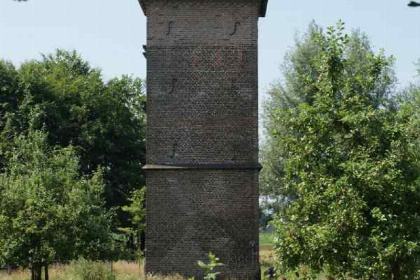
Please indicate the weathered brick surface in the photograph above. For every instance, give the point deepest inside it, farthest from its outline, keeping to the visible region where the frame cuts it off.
(202, 112)
(191, 213)
(202, 104)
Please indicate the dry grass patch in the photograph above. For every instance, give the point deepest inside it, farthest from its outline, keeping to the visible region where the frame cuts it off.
(129, 268)
(122, 270)
(16, 275)
(165, 277)
(267, 257)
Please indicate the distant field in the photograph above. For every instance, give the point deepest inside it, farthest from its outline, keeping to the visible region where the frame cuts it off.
(266, 250)
(267, 257)
(266, 241)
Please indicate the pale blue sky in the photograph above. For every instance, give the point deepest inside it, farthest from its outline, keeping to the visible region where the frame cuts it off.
(110, 33)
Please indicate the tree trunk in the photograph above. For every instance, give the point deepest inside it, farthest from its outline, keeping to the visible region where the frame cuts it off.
(36, 271)
(395, 267)
(47, 276)
(142, 241)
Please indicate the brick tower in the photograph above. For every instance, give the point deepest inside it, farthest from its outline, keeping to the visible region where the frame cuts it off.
(202, 135)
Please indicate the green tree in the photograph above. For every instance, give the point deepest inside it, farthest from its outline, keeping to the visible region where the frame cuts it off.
(137, 211)
(48, 212)
(352, 164)
(103, 121)
(300, 73)
(10, 90)
(412, 93)
(11, 94)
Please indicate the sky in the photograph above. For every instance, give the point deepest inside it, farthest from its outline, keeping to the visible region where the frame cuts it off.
(110, 33)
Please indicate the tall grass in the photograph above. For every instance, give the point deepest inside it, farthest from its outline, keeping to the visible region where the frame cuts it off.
(85, 270)
(267, 240)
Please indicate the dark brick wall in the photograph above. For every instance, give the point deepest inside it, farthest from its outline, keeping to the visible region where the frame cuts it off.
(202, 104)
(202, 111)
(191, 213)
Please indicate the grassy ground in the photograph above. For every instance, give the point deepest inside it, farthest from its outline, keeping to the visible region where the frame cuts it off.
(126, 270)
(122, 271)
(266, 250)
(267, 257)
(267, 240)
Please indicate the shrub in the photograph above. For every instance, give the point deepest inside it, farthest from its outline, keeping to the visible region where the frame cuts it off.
(86, 270)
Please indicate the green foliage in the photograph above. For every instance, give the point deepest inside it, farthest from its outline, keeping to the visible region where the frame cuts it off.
(11, 94)
(300, 74)
(86, 270)
(351, 171)
(48, 212)
(269, 206)
(137, 211)
(209, 267)
(10, 90)
(104, 121)
(411, 94)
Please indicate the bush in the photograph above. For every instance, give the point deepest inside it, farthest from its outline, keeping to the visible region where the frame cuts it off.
(86, 270)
